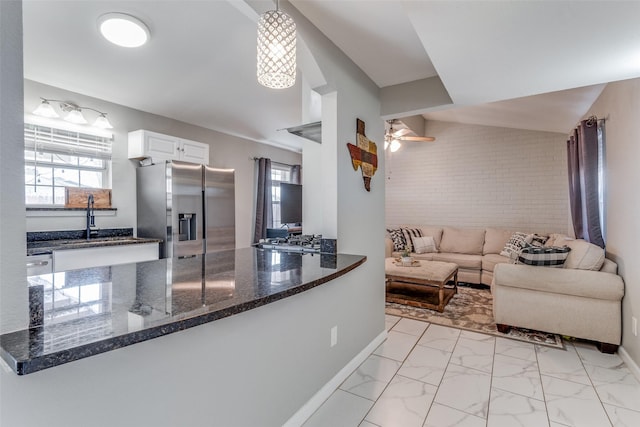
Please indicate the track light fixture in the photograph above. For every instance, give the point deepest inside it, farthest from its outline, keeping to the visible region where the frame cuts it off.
(73, 113)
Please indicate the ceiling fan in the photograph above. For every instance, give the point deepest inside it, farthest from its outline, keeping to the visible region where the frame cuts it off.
(397, 131)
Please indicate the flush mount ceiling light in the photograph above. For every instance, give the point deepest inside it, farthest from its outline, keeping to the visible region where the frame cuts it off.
(123, 30)
(74, 113)
(276, 50)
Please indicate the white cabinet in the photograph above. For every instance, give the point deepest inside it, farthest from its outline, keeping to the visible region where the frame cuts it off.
(159, 147)
(71, 259)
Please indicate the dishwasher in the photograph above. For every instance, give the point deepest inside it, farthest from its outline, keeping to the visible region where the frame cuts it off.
(39, 264)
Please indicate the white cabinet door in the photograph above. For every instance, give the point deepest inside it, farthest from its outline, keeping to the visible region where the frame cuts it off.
(143, 144)
(161, 147)
(72, 259)
(194, 152)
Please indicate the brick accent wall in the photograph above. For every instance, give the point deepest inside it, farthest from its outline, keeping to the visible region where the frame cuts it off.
(480, 176)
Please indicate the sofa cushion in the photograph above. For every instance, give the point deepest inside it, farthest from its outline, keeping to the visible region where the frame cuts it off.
(515, 244)
(473, 262)
(584, 255)
(494, 240)
(398, 239)
(462, 241)
(543, 256)
(489, 261)
(409, 234)
(423, 245)
(426, 256)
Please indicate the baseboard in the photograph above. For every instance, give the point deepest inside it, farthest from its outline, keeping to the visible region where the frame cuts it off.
(305, 412)
(631, 364)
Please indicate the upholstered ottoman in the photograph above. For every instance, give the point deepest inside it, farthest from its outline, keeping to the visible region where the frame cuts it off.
(422, 284)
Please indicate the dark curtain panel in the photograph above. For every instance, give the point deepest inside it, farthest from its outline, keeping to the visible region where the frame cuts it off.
(582, 153)
(296, 177)
(264, 213)
(575, 195)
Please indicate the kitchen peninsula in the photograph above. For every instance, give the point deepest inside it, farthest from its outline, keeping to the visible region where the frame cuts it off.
(121, 305)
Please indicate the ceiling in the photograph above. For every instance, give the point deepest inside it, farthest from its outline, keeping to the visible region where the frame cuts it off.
(525, 64)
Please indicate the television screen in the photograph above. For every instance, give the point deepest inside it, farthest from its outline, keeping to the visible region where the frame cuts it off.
(290, 203)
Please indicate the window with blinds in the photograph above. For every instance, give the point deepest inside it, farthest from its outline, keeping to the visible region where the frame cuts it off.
(58, 158)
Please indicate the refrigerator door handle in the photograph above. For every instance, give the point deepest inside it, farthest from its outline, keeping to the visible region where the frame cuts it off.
(204, 217)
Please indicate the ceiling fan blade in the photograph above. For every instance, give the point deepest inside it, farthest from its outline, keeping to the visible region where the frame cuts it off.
(418, 138)
(401, 132)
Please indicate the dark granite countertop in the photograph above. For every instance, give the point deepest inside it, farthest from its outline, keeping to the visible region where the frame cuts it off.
(85, 312)
(45, 242)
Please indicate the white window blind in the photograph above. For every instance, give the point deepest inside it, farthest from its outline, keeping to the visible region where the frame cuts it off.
(59, 141)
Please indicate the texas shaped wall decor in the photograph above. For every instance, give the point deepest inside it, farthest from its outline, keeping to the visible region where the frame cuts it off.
(364, 155)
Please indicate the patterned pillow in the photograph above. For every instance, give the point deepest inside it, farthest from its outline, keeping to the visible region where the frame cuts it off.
(537, 240)
(515, 244)
(409, 234)
(424, 245)
(552, 256)
(397, 236)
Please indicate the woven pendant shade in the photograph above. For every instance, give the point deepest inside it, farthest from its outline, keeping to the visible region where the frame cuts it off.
(276, 50)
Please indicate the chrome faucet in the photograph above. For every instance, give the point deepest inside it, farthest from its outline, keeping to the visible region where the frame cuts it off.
(91, 219)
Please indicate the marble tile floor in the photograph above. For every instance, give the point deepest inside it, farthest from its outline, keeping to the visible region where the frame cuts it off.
(427, 375)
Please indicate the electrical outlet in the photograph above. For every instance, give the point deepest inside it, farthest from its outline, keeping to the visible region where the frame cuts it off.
(634, 326)
(334, 336)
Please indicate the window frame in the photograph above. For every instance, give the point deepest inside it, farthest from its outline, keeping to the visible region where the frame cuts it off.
(275, 192)
(56, 141)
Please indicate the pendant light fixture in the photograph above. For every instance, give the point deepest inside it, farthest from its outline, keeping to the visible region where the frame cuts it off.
(276, 50)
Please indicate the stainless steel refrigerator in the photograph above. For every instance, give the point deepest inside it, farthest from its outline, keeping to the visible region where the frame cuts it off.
(190, 207)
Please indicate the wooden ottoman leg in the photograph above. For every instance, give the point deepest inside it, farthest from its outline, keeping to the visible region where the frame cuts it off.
(503, 329)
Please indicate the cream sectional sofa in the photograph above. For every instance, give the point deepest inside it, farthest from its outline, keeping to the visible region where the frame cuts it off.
(476, 251)
(582, 300)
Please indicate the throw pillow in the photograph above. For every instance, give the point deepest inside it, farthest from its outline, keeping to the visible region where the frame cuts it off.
(515, 244)
(537, 240)
(543, 256)
(397, 237)
(584, 255)
(424, 245)
(557, 239)
(409, 235)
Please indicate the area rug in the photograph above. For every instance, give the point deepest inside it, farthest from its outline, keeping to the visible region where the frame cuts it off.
(471, 309)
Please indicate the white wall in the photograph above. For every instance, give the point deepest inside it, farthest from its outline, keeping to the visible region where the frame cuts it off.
(12, 225)
(479, 176)
(619, 104)
(225, 151)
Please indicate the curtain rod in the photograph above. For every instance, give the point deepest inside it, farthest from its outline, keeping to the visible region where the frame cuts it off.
(592, 120)
(272, 161)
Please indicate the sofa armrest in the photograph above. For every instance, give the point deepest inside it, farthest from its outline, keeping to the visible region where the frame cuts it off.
(388, 247)
(584, 283)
